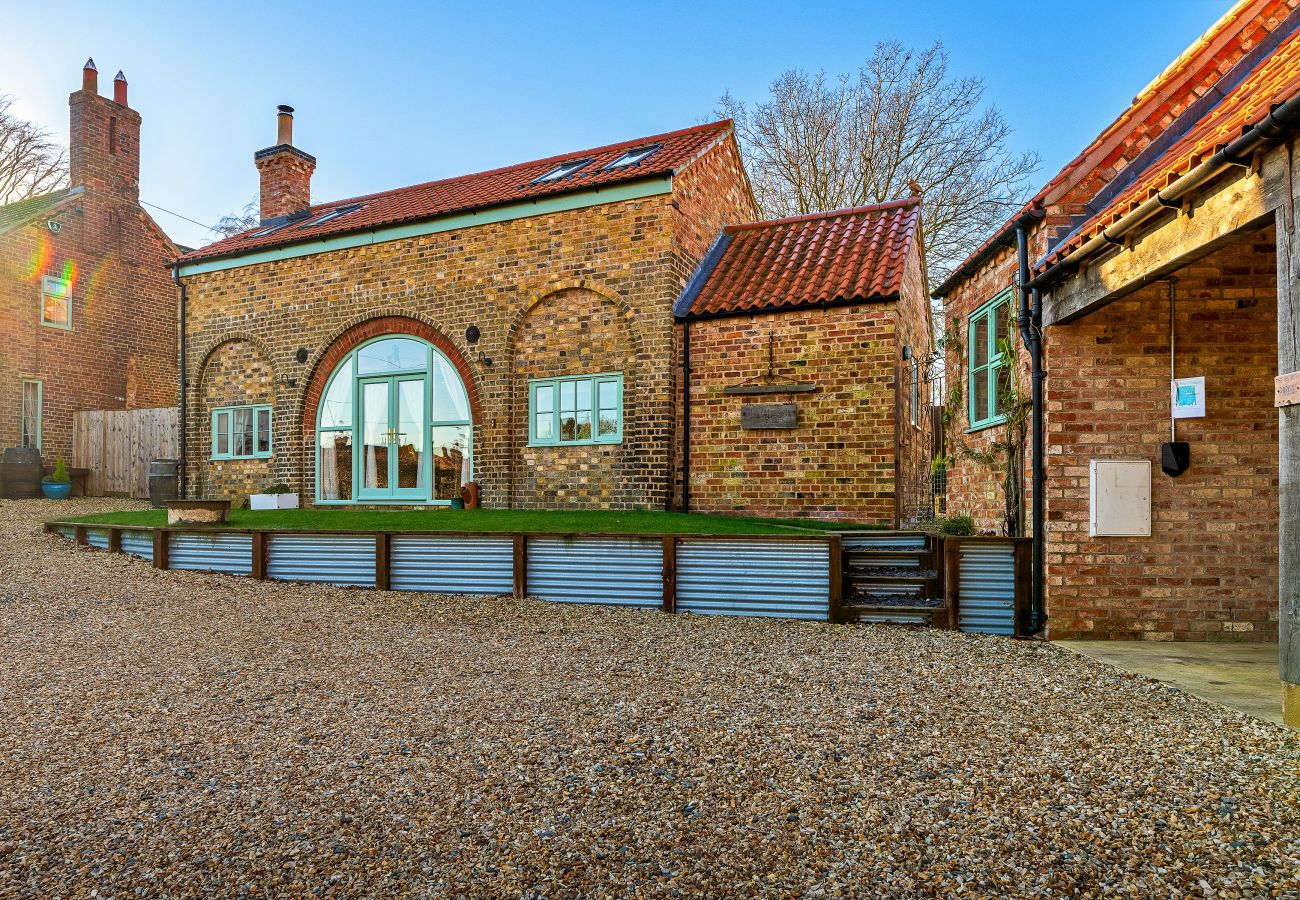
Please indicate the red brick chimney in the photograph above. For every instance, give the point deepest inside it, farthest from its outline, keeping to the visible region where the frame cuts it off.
(104, 138)
(285, 172)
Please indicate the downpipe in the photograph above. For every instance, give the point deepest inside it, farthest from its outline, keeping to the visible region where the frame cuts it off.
(1030, 321)
(182, 403)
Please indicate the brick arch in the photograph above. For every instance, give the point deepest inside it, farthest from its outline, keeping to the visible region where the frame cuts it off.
(381, 326)
(235, 338)
(555, 288)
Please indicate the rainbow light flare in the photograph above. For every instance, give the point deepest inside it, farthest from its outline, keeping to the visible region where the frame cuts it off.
(42, 253)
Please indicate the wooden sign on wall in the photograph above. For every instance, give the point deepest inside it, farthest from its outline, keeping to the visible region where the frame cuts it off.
(769, 415)
(1286, 390)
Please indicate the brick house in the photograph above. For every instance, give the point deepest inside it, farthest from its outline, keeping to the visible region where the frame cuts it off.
(87, 305)
(513, 327)
(1161, 255)
(805, 341)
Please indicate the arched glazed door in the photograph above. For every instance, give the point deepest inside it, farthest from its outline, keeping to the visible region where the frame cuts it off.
(394, 426)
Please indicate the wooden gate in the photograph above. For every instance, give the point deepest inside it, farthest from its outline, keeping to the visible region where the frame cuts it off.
(117, 445)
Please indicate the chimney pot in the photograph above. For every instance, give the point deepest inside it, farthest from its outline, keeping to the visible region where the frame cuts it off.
(90, 76)
(284, 125)
(119, 88)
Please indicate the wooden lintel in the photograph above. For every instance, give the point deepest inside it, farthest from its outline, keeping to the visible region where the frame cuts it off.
(752, 389)
(1286, 390)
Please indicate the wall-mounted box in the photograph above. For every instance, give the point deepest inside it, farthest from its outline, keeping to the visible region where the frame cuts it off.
(1119, 495)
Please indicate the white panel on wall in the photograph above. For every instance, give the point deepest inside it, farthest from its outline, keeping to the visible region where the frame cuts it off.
(1119, 498)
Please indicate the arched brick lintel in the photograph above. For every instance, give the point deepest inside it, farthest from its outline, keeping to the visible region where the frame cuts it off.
(382, 326)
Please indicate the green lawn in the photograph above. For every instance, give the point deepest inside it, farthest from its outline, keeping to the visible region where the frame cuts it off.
(552, 521)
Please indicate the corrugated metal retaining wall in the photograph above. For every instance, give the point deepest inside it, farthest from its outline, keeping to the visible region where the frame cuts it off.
(789, 579)
(211, 551)
(325, 558)
(986, 575)
(614, 571)
(451, 564)
(138, 543)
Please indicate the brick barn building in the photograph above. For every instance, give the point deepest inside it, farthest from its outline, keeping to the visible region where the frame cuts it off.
(87, 305)
(513, 327)
(1160, 273)
(805, 342)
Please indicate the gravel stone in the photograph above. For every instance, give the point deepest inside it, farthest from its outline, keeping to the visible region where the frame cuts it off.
(185, 734)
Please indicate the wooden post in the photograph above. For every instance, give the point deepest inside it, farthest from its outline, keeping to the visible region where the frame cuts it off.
(670, 574)
(79, 535)
(1288, 362)
(1024, 586)
(114, 540)
(521, 566)
(835, 560)
(258, 570)
(383, 549)
(160, 548)
(950, 548)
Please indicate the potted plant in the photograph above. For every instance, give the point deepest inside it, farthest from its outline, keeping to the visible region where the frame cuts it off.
(58, 484)
(274, 496)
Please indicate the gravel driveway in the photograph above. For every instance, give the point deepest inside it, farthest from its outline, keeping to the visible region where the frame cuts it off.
(181, 734)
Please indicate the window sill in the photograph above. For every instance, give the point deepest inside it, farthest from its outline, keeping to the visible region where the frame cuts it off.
(258, 456)
(56, 326)
(578, 444)
(983, 426)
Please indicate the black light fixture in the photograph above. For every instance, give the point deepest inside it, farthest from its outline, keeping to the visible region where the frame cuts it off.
(301, 355)
(907, 351)
(1175, 455)
(472, 334)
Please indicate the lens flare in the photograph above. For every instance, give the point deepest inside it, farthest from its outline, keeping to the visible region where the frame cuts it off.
(38, 263)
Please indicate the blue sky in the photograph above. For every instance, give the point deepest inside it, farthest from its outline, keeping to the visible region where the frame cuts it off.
(390, 94)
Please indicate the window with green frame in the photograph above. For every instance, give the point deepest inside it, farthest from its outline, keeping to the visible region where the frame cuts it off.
(988, 352)
(241, 432)
(583, 410)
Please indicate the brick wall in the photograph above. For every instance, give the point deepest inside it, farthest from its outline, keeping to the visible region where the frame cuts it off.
(615, 266)
(839, 463)
(235, 374)
(121, 350)
(1209, 569)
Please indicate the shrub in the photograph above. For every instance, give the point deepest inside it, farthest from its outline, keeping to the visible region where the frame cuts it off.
(958, 524)
(280, 488)
(60, 475)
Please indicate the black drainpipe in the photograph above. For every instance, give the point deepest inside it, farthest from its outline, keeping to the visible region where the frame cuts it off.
(686, 415)
(182, 444)
(1030, 319)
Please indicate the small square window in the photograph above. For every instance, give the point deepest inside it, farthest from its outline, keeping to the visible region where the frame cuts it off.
(562, 171)
(586, 409)
(241, 432)
(56, 302)
(633, 157)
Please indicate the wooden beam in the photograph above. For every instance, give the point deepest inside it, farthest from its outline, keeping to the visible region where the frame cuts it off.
(1288, 361)
(521, 566)
(258, 570)
(160, 548)
(114, 540)
(835, 600)
(670, 574)
(383, 557)
(79, 535)
(950, 547)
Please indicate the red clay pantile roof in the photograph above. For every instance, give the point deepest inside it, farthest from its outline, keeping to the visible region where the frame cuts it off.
(1275, 80)
(850, 254)
(469, 192)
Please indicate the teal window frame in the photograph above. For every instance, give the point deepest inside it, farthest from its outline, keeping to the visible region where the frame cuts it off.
(60, 289)
(229, 413)
(996, 361)
(555, 440)
(40, 412)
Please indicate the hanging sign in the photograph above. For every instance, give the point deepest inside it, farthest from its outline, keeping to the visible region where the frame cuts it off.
(1286, 390)
(1188, 397)
(769, 415)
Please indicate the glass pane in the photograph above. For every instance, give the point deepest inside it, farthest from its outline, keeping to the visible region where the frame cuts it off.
(392, 355)
(335, 465)
(979, 342)
(608, 394)
(222, 435)
(568, 427)
(544, 430)
(980, 396)
(607, 401)
(568, 396)
(375, 434)
(410, 433)
(55, 309)
(583, 426)
(263, 431)
(31, 414)
(450, 402)
(544, 398)
(1003, 375)
(1001, 325)
(451, 456)
(241, 432)
(584, 395)
(336, 411)
(607, 423)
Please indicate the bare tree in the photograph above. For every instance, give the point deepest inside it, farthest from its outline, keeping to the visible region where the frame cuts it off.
(242, 220)
(30, 162)
(821, 143)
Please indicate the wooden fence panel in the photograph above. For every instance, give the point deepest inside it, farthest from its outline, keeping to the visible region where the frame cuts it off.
(117, 446)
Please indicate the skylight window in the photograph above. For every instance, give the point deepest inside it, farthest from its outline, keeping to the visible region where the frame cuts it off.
(632, 157)
(272, 230)
(563, 170)
(331, 215)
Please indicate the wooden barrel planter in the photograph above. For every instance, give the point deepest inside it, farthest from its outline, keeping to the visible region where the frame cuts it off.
(20, 473)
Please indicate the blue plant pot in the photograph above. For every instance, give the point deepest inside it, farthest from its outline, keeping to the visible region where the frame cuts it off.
(55, 490)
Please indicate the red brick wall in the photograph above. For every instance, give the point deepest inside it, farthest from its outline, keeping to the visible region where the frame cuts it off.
(285, 181)
(121, 351)
(1209, 569)
(839, 463)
